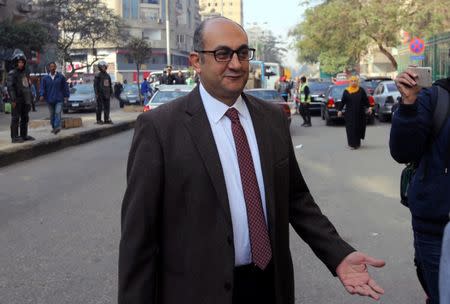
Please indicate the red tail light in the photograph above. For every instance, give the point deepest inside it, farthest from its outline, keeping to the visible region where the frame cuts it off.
(371, 101)
(287, 110)
(330, 103)
(147, 108)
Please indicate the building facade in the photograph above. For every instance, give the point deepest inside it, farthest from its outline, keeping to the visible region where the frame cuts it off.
(147, 19)
(232, 9)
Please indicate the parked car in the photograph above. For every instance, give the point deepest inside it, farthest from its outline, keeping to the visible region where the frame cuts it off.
(370, 83)
(271, 96)
(82, 97)
(331, 102)
(386, 95)
(317, 91)
(167, 93)
(130, 94)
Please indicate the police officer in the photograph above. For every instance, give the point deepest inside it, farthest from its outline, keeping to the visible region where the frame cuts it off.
(305, 100)
(19, 89)
(103, 92)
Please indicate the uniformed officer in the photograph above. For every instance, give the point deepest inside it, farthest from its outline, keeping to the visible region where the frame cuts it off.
(19, 89)
(103, 93)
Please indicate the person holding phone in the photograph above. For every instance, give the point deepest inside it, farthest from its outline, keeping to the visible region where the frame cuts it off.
(412, 140)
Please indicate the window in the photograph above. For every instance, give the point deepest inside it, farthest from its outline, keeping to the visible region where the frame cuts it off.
(180, 38)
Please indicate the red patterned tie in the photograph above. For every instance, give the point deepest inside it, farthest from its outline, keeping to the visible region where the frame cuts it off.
(259, 237)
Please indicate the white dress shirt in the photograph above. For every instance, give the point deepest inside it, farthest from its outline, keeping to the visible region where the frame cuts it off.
(223, 136)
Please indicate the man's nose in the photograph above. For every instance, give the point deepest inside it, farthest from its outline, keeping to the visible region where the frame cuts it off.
(234, 62)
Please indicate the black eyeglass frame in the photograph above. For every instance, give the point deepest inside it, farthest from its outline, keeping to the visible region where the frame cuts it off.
(230, 57)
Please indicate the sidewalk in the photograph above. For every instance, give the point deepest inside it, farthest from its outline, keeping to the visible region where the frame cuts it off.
(46, 142)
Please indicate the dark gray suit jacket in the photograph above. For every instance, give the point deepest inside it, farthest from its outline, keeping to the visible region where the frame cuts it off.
(177, 235)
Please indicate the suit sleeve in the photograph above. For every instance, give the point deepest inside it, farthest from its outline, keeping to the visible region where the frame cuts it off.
(139, 244)
(308, 221)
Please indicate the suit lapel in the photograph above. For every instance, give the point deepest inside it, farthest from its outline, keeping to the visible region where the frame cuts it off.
(196, 121)
(262, 132)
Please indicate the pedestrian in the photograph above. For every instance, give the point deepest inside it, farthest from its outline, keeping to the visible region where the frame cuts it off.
(118, 89)
(179, 79)
(103, 93)
(206, 218)
(284, 88)
(444, 268)
(305, 101)
(146, 90)
(356, 105)
(413, 139)
(19, 89)
(55, 91)
(190, 80)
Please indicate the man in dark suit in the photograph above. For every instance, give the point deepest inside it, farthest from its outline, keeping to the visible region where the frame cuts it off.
(212, 185)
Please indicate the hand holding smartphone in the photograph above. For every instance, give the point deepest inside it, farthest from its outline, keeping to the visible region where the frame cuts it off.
(424, 79)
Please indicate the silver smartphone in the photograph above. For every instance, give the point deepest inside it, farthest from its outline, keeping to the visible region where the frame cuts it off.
(424, 78)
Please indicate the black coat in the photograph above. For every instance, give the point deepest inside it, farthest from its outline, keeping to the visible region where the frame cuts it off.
(177, 234)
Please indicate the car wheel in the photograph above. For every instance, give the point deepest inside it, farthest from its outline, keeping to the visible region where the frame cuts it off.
(322, 114)
(382, 117)
(65, 111)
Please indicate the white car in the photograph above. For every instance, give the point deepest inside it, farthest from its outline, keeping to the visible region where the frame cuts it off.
(167, 93)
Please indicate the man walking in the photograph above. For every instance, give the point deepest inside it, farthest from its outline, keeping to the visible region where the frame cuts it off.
(54, 90)
(103, 92)
(19, 89)
(212, 189)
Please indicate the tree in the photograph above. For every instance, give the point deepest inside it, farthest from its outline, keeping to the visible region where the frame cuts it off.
(270, 49)
(27, 36)
(139, 50)
(337, 32)
(81, 24)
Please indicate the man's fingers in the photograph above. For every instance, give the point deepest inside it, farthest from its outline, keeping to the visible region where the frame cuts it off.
(375, 286)
(374, 262)
(371, 293)
(361, 291)
(350, 289)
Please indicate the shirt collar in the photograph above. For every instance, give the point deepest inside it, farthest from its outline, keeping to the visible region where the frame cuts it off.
(217, 109)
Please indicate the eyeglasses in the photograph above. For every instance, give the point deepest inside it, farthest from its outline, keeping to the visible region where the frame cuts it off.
(226, 54)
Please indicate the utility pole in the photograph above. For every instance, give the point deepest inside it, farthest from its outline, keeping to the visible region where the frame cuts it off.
(168, 34)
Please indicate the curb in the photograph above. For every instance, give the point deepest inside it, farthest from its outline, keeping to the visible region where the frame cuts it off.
(42, 147)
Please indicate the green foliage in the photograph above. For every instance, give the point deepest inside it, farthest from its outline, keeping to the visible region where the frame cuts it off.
(27, 36)
(139, 50)
(337, 32)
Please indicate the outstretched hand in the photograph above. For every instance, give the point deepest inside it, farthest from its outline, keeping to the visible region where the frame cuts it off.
(352, 272)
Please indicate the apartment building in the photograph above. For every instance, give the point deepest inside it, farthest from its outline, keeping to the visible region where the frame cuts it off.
(147, 19)
(232, 9)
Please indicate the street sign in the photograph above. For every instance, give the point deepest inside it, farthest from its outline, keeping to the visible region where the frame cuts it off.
(417, 45)
(419, 57)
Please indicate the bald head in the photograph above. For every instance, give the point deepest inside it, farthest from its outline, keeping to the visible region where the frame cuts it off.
(211, 24)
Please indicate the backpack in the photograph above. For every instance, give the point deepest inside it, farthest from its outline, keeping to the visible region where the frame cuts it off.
(440, 114)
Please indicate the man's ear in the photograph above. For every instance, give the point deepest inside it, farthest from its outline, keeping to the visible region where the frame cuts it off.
(194, 58)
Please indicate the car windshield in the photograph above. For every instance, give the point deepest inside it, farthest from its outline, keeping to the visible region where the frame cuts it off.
(166, 96)
(318, 87)
(131, 89)
(391, 87)
(82, 89)
(265, 94)
(337, 92)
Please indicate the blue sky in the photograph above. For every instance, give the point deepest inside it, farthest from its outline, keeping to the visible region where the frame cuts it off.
(281, 16)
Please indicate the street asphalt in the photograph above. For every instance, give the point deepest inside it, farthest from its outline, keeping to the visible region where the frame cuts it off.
(60, 219)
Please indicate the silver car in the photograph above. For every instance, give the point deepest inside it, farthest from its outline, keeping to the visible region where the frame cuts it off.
(386, 96)
(82, 97)
(130, 95)
(167, 93)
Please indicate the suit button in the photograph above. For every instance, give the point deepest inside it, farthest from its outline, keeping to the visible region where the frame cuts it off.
(227, 286)
(229, 240)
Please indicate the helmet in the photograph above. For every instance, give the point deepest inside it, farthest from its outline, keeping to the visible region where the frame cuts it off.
(102, 64)
(18, 55)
